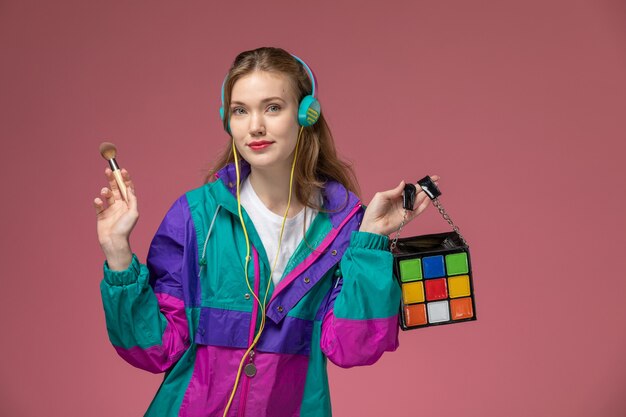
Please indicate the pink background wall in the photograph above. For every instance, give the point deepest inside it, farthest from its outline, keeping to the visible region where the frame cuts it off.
(518, 106)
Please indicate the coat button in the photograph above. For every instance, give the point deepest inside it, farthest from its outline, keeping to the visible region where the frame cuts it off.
(307, 280)
(246, 296)
(280, 309)
(230, 184)
(334, 252)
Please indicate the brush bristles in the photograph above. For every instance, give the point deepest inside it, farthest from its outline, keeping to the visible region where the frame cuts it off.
(108, 150)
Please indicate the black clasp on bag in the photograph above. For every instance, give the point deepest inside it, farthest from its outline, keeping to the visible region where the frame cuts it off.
(410, 192)
(408, 196)
(429, 187)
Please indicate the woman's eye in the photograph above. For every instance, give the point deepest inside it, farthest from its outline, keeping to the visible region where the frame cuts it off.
(238, 110)
(273, 107)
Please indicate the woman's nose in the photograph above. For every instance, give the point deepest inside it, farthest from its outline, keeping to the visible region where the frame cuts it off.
(257, 126)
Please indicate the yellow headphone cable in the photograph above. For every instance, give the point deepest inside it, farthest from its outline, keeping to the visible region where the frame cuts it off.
(262, 306)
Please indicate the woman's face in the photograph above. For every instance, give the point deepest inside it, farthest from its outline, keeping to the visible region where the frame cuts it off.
(264, 121)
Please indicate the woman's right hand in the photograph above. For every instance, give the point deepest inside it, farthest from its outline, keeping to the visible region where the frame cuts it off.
(115, 220)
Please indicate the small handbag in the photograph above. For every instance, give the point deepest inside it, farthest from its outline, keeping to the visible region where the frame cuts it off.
(434, 271)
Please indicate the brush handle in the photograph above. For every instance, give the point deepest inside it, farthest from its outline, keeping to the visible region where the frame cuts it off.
(120, 184)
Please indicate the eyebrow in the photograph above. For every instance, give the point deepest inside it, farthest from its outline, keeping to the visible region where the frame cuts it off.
(265, 100)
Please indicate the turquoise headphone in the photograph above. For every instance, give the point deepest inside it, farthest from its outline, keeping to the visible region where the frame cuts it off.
(309, 109)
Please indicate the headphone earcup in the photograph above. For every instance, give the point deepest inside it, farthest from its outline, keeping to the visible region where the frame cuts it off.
(222, 117)
(309, 111)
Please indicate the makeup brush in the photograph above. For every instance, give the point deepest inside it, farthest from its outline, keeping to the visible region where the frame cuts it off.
(109, 152)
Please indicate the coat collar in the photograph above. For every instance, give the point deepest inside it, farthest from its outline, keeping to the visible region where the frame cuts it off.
(337, 199)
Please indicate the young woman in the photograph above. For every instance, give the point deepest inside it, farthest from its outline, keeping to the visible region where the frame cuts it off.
(273, 266)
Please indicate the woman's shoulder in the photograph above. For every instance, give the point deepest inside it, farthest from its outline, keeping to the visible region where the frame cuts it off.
(204, 196)
(341, 203)
(189, 210)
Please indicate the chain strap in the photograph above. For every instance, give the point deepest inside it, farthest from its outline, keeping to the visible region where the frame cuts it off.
(448, 219)
(395, 238)
(445, 216)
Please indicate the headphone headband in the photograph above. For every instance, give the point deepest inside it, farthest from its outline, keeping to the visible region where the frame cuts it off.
(309, 72)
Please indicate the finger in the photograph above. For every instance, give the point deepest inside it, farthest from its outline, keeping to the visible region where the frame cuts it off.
(126, 177)
(419, 199)
(132, 198)
(421, 196)
(98, 205)
(422, 206)
(111, 179)
(114, 185)
(418, 210)
(108, 196)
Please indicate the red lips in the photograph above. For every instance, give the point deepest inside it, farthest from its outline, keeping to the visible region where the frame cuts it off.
(259, 145)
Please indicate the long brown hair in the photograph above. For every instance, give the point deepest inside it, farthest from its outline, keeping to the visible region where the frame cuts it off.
(318, 161)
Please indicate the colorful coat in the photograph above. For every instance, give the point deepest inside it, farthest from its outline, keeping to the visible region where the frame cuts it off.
(189, 312)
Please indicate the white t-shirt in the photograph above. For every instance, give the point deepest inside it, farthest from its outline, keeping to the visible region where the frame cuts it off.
(268, 224)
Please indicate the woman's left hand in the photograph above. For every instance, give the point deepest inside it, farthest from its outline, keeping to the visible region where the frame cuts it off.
(384, 213)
